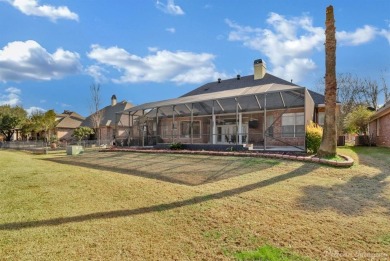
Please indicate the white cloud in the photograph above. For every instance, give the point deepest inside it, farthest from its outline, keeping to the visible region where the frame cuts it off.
(288, 44)
(171, 30)
(11, 96)
(97, 73)
(160, 66)
(34, 109)
(170, 7)
(32, 7)
(30, 61)
(386, 33)
(360, 36)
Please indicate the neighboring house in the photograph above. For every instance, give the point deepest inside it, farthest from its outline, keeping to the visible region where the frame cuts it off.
(112, 126)
(379, 127)
(261, 110)
(67, 122)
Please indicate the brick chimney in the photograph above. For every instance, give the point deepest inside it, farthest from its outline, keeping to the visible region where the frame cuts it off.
(113, 100)
(259, 69)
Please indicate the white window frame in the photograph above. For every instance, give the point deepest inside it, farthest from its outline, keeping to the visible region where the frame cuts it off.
(294, 116)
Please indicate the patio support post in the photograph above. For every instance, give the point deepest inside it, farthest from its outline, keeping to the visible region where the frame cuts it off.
(214, 126)
(132, 126)
(240, 128)
(192, 123)
(129, 129)
(265, 121)
(142, 129)
(173, 123)
(237, 124)
(156, 125)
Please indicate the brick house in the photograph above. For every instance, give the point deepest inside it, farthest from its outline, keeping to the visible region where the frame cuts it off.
(379, 127)
(259, 110)
(67, 122)
(111, 125)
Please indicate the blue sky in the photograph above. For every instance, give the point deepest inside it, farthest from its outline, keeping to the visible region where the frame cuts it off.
(51, 51)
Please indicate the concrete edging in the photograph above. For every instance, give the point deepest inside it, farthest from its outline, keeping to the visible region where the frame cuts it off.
(347, 163)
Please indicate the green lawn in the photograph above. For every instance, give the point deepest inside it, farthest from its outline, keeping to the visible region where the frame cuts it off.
(118, 206)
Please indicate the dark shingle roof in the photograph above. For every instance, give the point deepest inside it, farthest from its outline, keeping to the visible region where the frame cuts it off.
(230, 84)
(248, 81)
(108, 114)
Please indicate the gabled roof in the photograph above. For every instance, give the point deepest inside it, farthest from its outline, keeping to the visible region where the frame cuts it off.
(69, 120)
(108, 114)
(243, 82)
(382, 111)
(249, 81)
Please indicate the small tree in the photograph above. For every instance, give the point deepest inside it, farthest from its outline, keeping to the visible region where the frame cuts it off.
(11, 118)
(96, 114)
(358, 120)
(82, 132)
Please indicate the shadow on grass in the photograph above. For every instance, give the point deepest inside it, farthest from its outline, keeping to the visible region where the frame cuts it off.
(179, 169)
(358, 193)
(302, 170)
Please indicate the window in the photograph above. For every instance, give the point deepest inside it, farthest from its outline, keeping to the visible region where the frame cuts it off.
(185, 129)
(321, 118)
(165, 131)
(293, 124)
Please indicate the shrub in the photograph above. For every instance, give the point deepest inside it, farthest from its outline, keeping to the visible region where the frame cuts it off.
(313, 137)
(176, 146)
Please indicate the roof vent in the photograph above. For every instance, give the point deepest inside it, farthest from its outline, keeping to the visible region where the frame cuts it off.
(238, 76)
(219, 80)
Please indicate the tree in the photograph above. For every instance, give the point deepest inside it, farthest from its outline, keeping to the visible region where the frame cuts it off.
(385, 87)
(353, 91)
(96, 114)
(11, 119)
(42, 121)
(357, 121)
(329, 138)
(82, 132)
(48, 123)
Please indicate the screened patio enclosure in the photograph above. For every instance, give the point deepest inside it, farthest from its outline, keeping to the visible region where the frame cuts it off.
(266, 117)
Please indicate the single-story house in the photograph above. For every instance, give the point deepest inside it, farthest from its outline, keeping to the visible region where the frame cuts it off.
(111, 126)
(67, 122)
(379, 126)
(260, 111)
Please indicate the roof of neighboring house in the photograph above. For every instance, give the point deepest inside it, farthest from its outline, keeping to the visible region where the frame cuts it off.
(108, 114)
(248, 81)
(382, 111)
(69, 120)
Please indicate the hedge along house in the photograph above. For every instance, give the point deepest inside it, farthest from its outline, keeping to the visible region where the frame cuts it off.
(259, 111)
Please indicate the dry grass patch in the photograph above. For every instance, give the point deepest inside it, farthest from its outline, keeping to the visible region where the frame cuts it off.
(171, 207)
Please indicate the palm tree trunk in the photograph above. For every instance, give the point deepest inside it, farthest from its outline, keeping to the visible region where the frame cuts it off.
(329, 138)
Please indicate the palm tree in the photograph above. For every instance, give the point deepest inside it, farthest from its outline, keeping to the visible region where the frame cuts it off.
(329, 138)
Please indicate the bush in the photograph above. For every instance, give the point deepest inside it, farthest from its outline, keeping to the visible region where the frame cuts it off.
(313, 137)
(176, 146)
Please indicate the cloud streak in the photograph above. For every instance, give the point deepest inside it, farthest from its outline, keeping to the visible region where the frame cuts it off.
(160, 66)
(170, 7)
(30, 61)
(290, 43)
(11, 96)
(32, 7)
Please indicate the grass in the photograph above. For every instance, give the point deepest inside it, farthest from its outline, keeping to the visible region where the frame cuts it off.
(269, 253)
(335, 158)
(114, 206)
